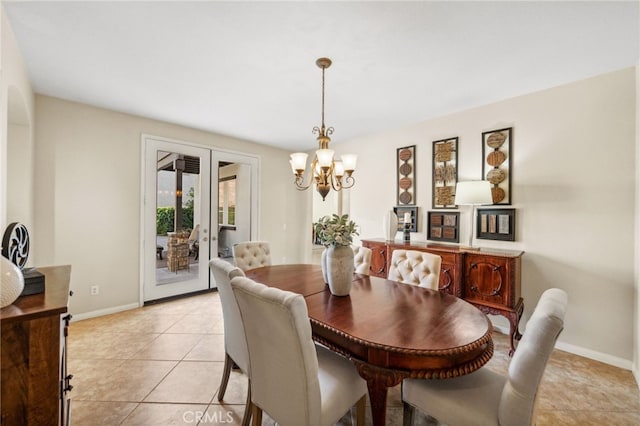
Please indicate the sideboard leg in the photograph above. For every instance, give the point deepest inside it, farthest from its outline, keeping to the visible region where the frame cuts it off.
(514, 320)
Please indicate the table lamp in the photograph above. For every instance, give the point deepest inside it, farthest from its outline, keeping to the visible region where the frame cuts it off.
(473, 193)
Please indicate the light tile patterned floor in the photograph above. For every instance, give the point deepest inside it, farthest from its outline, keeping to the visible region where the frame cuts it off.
(161, 365)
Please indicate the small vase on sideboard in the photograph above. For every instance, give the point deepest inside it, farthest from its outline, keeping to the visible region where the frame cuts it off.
(390, 225)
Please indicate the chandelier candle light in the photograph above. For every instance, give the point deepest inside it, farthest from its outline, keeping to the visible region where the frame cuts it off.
(326, 172)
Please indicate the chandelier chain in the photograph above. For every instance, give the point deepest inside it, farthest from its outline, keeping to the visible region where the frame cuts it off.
(323, 68)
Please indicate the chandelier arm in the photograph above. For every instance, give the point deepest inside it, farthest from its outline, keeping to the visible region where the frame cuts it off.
(348, 182)
(336, 185)
(299, 185)
(299, 179)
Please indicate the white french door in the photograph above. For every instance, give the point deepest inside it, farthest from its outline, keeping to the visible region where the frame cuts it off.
(176, 218)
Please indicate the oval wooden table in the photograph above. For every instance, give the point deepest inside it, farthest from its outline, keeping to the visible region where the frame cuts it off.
(389, 330)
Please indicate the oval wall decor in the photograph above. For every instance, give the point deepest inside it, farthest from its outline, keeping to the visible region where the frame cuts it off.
(496, 163)
(406, 168)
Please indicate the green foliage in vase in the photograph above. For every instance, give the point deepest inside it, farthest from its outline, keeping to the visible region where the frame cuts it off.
(335, 230)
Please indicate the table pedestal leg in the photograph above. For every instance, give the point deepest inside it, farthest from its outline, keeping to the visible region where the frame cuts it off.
(378, 381)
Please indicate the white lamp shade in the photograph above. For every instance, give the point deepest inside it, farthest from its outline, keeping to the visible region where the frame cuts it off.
(338, 168)
(299, 160)
(325, 157)
(349, 161)
(473, 193)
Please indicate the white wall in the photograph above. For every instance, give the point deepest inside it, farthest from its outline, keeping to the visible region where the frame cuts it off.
(573, 188)
(16, 136)
(88, 196)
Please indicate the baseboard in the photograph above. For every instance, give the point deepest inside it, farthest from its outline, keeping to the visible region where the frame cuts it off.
(102, 312)
(587, 353)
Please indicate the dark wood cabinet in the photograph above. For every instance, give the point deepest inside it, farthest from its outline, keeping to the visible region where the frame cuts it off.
(487, 278)
(34, 378)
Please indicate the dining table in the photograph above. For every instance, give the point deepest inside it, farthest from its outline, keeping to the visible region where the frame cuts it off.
(389, 330)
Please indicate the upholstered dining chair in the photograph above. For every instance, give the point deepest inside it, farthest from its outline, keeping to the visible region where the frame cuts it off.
(487, 398)
(293, 380)
(361, 259)
(252, 254)
(415, 267)
(235, 342)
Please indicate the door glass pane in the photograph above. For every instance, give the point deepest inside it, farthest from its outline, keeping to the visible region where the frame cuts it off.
(231, 200)
(227, 201)
(177, 221)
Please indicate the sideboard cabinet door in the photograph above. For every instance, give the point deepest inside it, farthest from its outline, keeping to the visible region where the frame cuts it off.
(491, 280)
(449, 281)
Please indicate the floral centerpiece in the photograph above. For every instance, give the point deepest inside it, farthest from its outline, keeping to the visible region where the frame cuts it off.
(335, 230)
(336, 234)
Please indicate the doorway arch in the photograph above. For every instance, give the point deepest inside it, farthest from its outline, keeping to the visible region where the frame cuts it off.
(19, 171)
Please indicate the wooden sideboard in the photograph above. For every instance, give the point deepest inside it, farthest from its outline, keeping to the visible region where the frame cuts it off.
(487, 278)
(34, 379)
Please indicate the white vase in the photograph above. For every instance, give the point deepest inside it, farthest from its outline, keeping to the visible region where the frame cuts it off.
(340, 269)
(12, 282)
(390, 225)
(323, 263)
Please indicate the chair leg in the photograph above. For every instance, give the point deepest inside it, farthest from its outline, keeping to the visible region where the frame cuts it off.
(407, 414)
(247, 407)
(228, 362)
(360, 407)
(256, 413)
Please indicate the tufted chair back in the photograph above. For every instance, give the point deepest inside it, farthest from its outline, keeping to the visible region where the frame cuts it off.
(234, 340)
(519, 396)
(490, 398)
(251, 254)
(415, 267)
(361, 260)
(294, 381)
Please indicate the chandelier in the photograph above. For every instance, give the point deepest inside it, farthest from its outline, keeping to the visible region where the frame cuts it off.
(325, 171)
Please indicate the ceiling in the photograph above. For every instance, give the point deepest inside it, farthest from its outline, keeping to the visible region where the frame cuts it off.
(247, 69)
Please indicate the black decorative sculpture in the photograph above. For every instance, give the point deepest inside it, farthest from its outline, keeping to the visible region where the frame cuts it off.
(15, 247)
(15, 244)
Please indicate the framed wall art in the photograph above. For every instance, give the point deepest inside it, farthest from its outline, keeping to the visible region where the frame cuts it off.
(497, 164)
(496, 224)
(413, 214)
(406, 167)
(445, 173)
(443, 226)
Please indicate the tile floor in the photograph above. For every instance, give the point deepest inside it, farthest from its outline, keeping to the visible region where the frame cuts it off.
(161, 365)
